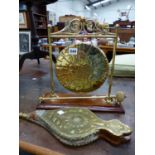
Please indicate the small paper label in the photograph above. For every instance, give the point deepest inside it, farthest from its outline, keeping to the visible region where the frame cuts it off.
(73, 51)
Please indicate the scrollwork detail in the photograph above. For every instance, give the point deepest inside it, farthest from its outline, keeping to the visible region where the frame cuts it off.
(90, 26)
(75, 26)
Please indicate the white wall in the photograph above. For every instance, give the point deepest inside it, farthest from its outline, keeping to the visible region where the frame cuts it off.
(76, 7)
(67, 7)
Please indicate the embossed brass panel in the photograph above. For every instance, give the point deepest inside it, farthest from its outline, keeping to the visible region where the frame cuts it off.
(77, 126)
(83, 71)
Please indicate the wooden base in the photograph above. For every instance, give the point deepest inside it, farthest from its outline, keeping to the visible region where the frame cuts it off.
(96, 104)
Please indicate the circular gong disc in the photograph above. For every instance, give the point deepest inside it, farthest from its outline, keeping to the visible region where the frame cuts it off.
(82, 67)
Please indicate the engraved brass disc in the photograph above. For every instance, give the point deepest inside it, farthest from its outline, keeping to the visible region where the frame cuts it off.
(82, 67)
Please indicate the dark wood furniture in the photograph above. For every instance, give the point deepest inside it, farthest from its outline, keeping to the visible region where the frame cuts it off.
(35, 149)
(30, 90)
(40, 22)
(124, 24)
(37, 24)
(67, 18)
(126, 29)
(120, 50)
(124, 33)
(36, 16)
(92, 104)
(106, 48)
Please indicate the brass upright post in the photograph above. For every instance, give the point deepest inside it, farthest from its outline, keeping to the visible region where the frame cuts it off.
(113, 61)
(51, 61)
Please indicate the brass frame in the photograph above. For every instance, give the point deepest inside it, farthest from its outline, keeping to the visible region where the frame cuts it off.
(100, 32)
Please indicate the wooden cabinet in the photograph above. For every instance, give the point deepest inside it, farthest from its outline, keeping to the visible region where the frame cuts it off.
(68, 18)
(124, 33)
(34, 19)
(126, 29)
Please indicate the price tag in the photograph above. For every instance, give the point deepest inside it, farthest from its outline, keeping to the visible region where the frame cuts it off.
(73, 51)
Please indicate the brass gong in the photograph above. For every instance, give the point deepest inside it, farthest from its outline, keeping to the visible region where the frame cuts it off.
(82, 67)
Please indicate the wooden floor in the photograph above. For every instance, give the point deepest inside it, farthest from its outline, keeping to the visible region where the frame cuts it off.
(35, 81)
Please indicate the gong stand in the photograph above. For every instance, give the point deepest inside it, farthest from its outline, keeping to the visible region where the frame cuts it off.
(82, 28)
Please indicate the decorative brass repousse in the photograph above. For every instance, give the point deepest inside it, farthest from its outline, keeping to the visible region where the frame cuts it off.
(77, 126)
(84, 71)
